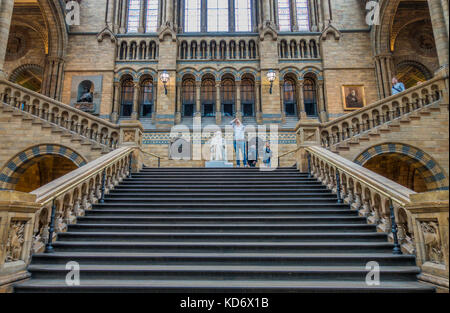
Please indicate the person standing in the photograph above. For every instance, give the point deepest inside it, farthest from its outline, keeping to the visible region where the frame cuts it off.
(239, 142)
(267, 155)
(397, 86)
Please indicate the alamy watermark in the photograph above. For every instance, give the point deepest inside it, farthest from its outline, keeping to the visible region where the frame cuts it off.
(73, 13)
(373, 14)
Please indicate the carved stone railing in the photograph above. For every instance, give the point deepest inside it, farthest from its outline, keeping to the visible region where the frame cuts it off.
(69, 118)
(26, 218)
(367, 192)
(384, 111)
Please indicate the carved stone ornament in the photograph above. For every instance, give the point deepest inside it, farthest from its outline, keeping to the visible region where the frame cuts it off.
(15, 241)
(432, 241)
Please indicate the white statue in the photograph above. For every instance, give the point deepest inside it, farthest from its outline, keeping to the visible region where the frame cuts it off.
(218, 147)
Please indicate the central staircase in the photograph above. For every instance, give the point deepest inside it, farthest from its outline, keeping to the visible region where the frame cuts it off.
(222, 230)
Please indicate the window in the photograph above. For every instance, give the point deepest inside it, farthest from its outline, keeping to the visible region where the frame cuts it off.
(188, 97)
(147, 98)
(247, 96)
(192, 15)
(284, 15)
(134, 9)
(152, 16)
(228, 95)
(309, 94)
(217, 13)
(289, 97)
(243, 15)
(127, 97)
(302, 15)
(208, 97)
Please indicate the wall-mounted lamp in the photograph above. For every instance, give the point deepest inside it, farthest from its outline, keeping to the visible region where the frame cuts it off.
(165, 77)
(271, 75)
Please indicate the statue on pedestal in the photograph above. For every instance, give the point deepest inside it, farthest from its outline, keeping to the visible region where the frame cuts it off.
(218, 148)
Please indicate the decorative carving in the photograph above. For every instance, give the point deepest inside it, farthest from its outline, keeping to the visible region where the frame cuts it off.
(129, 136)
(432, 241)
(15, 241)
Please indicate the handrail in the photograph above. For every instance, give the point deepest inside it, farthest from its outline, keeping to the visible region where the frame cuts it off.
(380, 184)
(287, 153)
(72, 194)
(153, 155)
(61, 185)
(63, 115)
(383, 111)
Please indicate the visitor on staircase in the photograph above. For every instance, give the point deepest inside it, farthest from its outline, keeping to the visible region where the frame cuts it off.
(267, 155)
(397, 86)
(239, 142)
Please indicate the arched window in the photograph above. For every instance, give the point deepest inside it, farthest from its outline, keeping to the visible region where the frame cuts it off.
(290, 102)
(208, 97)
(248, 97)
(192, 15)
(228, 97)
(151, 25)
(127, 98)
(285, 15)
(147, 98)
(309, 96)
(217, 12)
(188, 97)
(243, 15)
(134, 11)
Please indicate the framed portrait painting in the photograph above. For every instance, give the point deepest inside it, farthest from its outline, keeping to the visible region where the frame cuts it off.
(353, 97)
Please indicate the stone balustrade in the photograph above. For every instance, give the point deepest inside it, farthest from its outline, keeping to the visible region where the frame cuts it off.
(76, 121)
(383, 111)
(369, 193)
(137, 49)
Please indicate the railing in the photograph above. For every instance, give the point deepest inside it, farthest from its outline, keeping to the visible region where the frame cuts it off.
(69, 196)
(218, 49)
(383, 111)
(379, 199)
(286, 154)
(84, 124)
(158, 157)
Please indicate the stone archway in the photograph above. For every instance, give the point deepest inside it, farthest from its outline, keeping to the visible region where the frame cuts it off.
(386, 158)
(12, 172)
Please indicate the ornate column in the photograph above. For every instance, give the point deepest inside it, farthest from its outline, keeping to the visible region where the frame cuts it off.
(6, 10)
(198, 110)
(312, 16)
(322, 113)
(141, 28)
(326, 13)
(258, 102)
(238, 101)
(266, 10)
(116, 103)
(300, 100)
(169, 12)
(218, 105)
(294, 16)
(178, 110)
(123, 20)
(440, 30)
(135, 114)
(282, 110)
(52, 78)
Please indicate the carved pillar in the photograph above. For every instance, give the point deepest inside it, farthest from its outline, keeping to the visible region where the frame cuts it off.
(322, 113)
(440, 30)
(116, 103)
(266, 10)
(238, 101)
(326, 12)
(218, 105)
(300, 100)
(178, 110)
(53, 77)
(312, 16)
(294, 16)
(141, 28)
(6, 10)
(123, 20)
(258, 102)
(198, 111)
(169, 12)
(134, 115)
(283, 112)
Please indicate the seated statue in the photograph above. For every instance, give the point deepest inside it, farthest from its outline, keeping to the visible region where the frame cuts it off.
(86, 97)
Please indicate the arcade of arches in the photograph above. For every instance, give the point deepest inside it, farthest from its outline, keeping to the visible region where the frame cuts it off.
(217, 56)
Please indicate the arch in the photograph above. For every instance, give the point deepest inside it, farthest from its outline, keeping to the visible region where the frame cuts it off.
(411, 72)
(29, 76)
(434, 175)
(11, 172)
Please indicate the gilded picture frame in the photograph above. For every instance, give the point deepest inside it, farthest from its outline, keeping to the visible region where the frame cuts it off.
(353, 97)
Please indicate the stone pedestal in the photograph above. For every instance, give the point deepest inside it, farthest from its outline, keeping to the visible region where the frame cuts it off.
(17, 219)
(308, 134)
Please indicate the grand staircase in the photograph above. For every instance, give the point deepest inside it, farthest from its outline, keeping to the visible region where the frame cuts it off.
(222, 230)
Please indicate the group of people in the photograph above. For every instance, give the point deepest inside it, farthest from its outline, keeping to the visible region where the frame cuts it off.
(250, 159)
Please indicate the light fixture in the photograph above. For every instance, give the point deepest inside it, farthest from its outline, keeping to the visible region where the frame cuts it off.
(271, 75)
(165, 77)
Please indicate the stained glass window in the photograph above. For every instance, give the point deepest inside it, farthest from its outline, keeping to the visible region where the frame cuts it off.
(192, 14)
(284, 18)
(217, 13)
(152, 16)
(302, 15)
(243, 13)
(134, 9)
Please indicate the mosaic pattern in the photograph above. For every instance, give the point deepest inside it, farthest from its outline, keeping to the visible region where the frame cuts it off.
(433, 174)
(10, 174)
